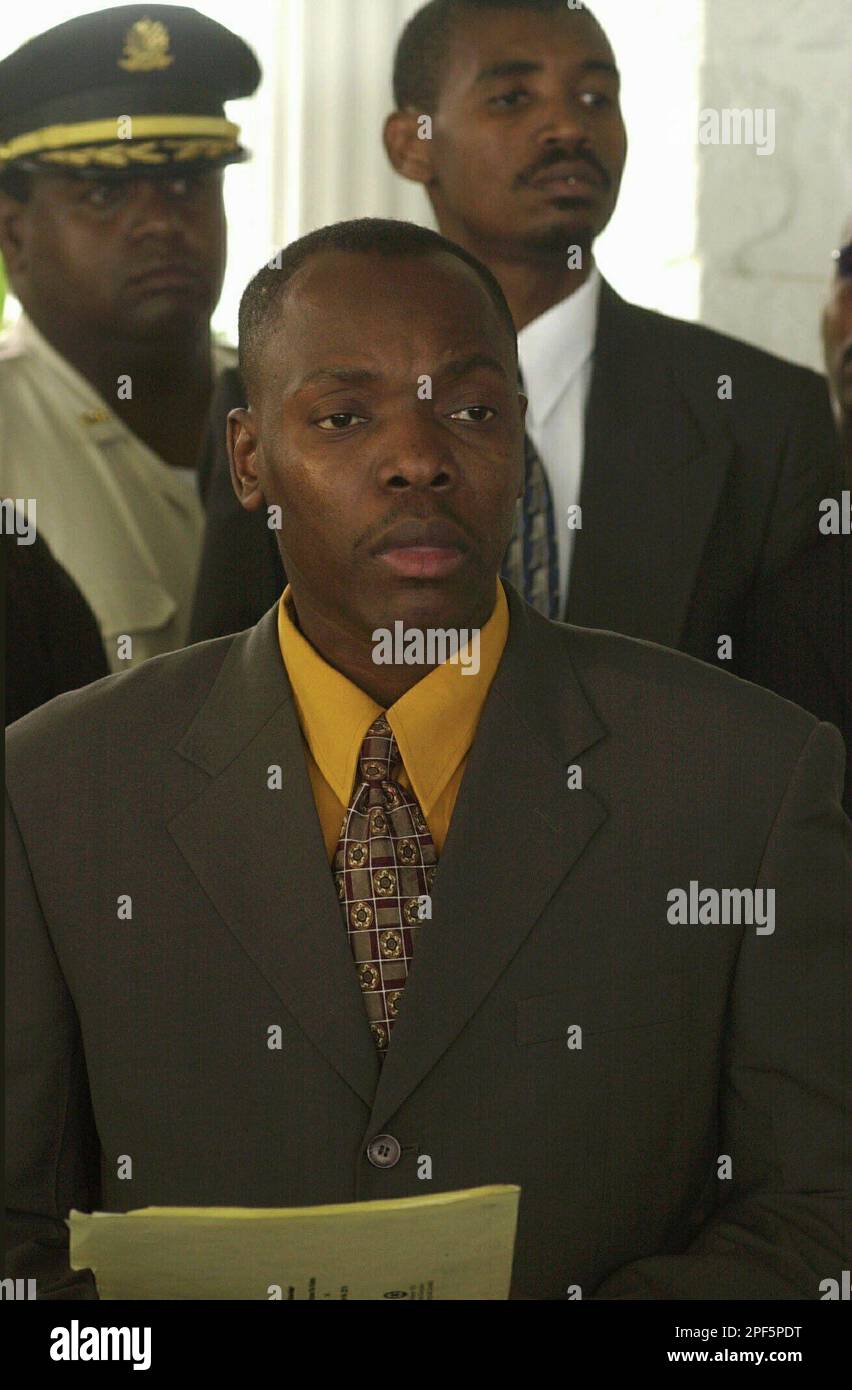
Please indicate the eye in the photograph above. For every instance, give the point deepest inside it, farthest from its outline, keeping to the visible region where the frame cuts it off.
(843, 258)
(478, 413)
(341, 420)
(103, 195)
(509, 100)
(594, 99)
(185, 185)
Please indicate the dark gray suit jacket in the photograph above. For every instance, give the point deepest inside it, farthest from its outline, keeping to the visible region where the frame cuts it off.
(148, 1037)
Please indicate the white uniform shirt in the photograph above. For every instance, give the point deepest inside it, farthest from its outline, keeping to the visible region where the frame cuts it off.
(557, 355)
(125, 525)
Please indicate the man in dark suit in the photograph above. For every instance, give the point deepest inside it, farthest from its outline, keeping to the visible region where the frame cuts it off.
(795, 634)
(796, 637)
(698, 462)
(51, 641)
(468, 898)
(837, 343)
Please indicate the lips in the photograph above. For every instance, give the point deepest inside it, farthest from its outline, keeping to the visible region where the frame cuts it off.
(567, 174)
(166, 273)
(422, 550)
(435, 535)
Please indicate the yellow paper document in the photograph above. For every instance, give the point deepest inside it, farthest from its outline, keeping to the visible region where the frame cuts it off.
(451, 1245)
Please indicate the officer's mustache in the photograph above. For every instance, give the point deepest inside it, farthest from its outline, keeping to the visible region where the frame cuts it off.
(558, 156)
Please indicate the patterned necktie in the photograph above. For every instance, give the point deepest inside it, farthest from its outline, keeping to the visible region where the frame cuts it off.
(531, 562)
(384, 864)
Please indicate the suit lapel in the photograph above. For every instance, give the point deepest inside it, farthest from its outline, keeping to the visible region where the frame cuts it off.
(652, 478)
(260, 858)
(259, 854)
(515, 834)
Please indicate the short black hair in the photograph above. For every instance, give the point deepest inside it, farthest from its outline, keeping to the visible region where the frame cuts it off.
(425, 41)
(365, 235)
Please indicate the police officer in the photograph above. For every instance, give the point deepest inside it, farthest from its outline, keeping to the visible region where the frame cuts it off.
(113, 138)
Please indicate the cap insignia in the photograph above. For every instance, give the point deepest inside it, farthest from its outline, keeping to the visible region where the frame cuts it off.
(146, 47)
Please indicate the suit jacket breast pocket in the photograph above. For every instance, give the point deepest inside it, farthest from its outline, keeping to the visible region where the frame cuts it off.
(605, 1009)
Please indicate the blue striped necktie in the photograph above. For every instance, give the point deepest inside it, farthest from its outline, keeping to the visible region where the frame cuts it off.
(531, 562)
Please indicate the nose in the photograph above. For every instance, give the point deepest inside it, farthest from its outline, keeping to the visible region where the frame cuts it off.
(566, 121)
(154, 210)
(417, 453)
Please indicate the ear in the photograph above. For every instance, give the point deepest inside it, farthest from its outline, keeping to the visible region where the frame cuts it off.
(14, 221)
(408, 152)
(243, 448)
(523, 402)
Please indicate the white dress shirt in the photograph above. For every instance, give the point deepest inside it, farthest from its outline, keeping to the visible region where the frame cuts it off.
(125, 525)
(557, 354)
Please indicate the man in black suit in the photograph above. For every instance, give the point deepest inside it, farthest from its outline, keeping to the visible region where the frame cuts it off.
(627, 992)
(837, 342)
(795, 636)
(51, 641)
(704, 460)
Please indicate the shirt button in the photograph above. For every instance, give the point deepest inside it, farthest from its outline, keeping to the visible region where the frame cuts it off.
(384, 1151)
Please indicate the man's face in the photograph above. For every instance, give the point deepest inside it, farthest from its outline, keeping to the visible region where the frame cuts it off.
(837, 328)
(124, 258)
(528, 139)
(386, 424)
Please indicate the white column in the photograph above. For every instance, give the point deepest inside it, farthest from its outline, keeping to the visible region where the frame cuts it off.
(348, 59)
(650, 250)
(768, 223)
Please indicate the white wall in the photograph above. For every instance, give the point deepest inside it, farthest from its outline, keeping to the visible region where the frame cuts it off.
(649, 251)
(767, 224)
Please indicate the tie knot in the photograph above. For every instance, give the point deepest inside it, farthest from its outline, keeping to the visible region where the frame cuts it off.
(379, 756)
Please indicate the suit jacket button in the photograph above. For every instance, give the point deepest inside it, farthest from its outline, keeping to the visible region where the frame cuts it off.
(384, 1151)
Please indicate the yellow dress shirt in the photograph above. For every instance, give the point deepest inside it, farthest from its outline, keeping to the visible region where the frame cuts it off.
(434, 723)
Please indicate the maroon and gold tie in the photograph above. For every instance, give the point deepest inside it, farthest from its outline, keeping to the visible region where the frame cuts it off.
(383, 867)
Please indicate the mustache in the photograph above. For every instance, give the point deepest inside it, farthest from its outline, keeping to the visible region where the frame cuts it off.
(558, 156)
(437, 512)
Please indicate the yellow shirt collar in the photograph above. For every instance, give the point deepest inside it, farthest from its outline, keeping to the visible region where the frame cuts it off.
(434, 722)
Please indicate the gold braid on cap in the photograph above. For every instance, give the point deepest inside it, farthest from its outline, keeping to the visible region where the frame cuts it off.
(129, 152)
(73, 143)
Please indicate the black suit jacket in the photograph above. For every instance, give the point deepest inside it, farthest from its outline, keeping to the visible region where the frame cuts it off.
(147, 1037)
(52, 642)
(241, 573)
(688, 501)
(796, 637)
